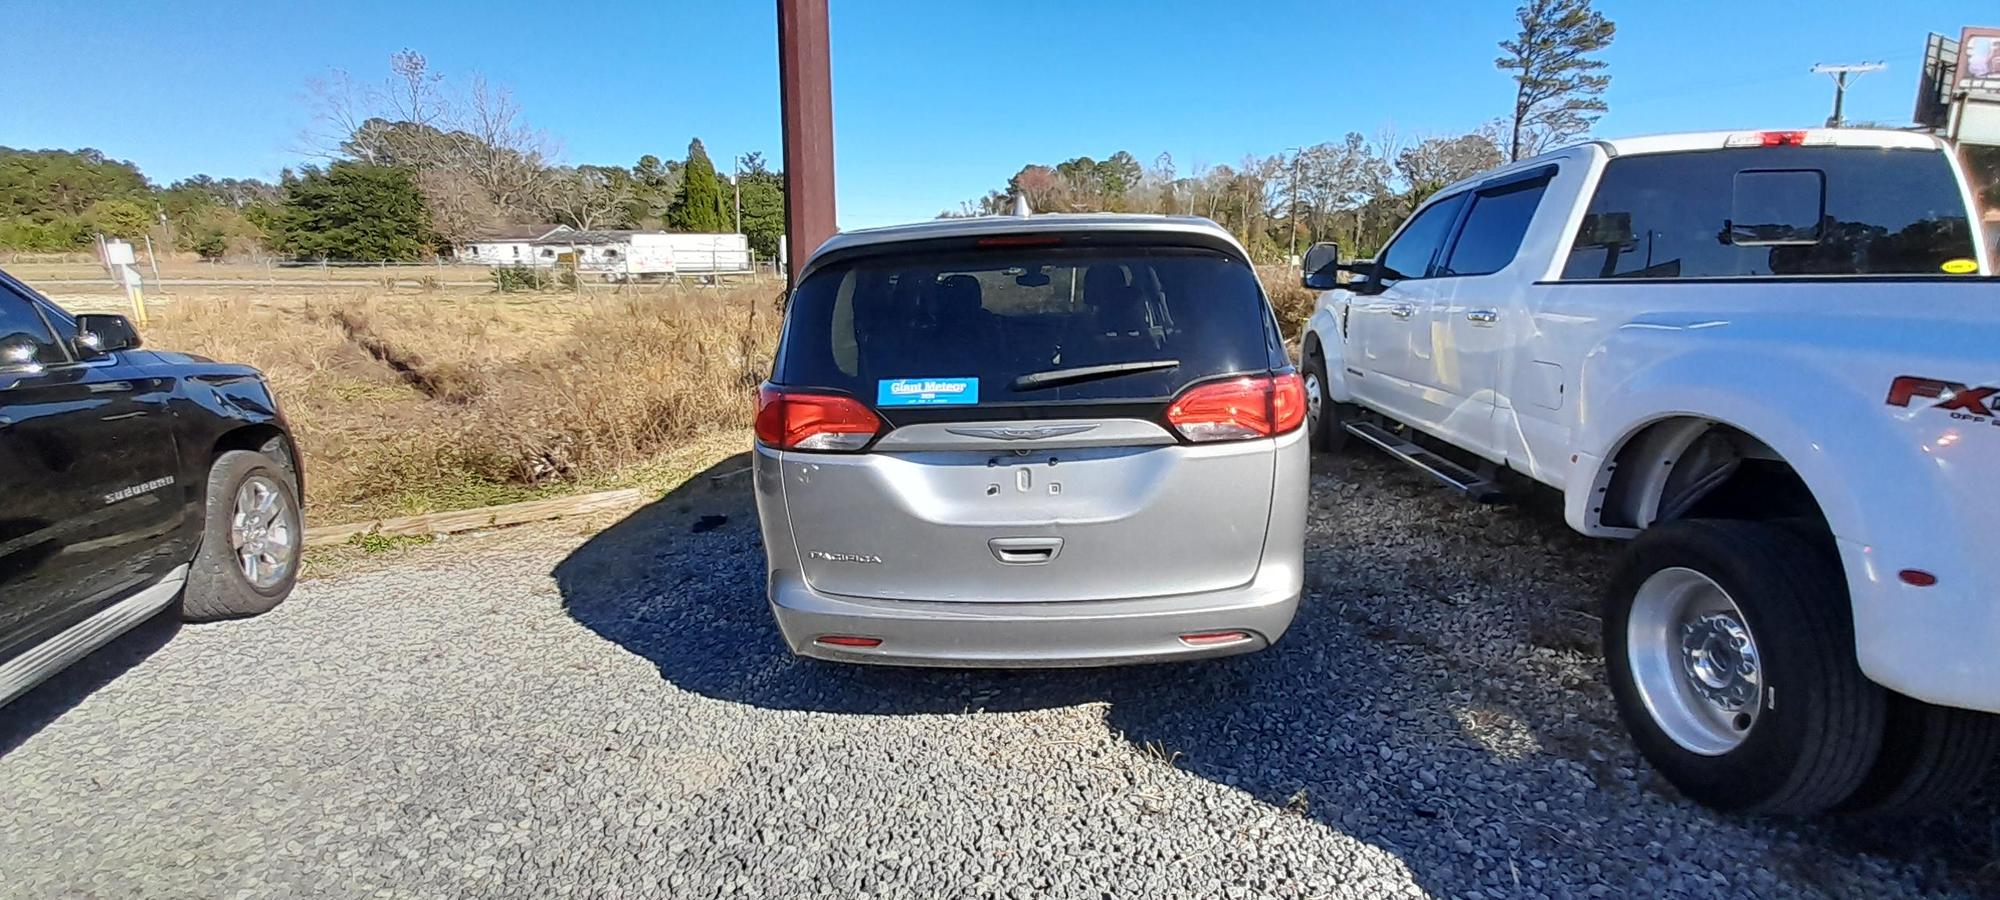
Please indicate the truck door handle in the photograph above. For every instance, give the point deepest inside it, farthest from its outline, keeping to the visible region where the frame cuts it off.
(1402, 310)
(1025, 551)
(1483, 316)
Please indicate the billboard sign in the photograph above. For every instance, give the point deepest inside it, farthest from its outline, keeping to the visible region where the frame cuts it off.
(1979, 64)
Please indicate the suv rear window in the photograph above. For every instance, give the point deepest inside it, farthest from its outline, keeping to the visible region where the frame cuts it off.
(1773, 211)
(997, 315)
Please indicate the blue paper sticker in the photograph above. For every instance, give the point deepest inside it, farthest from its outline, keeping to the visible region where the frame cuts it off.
(926, 391)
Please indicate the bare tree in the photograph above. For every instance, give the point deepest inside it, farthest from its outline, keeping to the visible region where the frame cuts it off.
(505, 156)
(588, 197)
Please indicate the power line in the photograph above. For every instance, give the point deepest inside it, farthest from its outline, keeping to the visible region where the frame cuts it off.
(1840, 73)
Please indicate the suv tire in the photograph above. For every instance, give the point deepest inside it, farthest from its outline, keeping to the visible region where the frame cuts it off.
(1704, 614)
(257, 492)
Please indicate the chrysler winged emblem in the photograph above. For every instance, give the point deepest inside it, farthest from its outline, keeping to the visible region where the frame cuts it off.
(1021, 432)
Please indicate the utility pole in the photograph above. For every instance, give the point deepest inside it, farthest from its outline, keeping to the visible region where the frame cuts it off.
(1297, 154)
(736, 184)
(805, 92)
(1840, 73)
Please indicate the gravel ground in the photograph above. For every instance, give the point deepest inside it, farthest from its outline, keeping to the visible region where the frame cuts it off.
(539, 713)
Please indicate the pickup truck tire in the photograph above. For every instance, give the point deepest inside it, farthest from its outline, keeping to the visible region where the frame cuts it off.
(252, 511)
(1323, 416)
(1931, 757)
(1730, 651)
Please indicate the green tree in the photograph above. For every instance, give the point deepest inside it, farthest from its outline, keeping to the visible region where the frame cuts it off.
(764, 211)
(1558, 94)
(700, 206)
(353, 211)
(119, 218)
(46, 184)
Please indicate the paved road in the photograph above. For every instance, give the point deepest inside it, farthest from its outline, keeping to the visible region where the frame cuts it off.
(532, 713)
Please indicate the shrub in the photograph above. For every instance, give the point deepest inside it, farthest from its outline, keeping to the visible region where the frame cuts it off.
(509, 279)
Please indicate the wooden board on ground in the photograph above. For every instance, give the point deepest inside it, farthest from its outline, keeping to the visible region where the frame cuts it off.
(485, 517)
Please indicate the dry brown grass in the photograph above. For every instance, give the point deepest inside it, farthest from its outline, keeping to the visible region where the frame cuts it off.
(1290, 300)
(408, 404)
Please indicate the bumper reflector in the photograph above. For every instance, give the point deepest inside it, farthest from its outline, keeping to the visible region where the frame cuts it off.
(1211, 638)
(847, 640)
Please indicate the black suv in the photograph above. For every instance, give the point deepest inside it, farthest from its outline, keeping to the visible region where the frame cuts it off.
(130, 479)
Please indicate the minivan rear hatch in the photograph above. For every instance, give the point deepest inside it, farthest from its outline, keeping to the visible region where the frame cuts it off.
(1026, 446)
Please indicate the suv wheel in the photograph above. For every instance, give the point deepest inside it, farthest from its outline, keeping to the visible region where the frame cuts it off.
(1730, 651)
(1323, 416)
(251, 539)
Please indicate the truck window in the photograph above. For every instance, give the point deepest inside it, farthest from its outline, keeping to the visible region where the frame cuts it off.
(1494, 229)
(1772, 212)
(1410, 254)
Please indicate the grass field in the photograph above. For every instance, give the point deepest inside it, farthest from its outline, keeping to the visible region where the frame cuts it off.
(409, 404)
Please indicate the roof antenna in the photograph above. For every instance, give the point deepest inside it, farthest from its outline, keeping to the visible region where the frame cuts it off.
(1021, 205)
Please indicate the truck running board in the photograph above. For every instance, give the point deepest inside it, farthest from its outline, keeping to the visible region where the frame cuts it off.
(1480, 487)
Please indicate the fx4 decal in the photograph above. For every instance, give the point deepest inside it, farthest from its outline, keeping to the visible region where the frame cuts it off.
(1961, 401)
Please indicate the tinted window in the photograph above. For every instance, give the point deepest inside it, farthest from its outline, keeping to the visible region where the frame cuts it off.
(1409, 256)
(1773, 211)
(24, 337)
(1001, 314)
(1494, 229)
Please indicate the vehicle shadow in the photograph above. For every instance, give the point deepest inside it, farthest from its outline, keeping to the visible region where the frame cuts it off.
(1350, 721)
(48, 701)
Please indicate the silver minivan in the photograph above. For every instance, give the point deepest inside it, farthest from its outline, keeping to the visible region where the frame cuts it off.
(1048, 440)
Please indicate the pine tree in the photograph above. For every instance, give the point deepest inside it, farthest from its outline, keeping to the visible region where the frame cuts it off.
(699, 206)
(1558, 94)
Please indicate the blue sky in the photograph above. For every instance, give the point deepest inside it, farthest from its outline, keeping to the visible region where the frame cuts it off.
(934, 102)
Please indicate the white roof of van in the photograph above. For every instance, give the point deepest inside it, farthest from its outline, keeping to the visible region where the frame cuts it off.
(1040, 223)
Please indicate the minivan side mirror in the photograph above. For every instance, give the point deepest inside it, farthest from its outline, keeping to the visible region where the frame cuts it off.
(98, 334)
(1320, 268)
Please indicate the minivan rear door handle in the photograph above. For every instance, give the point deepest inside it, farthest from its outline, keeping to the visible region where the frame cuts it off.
(1483, 316)
(1025, 551)
(1402, 310)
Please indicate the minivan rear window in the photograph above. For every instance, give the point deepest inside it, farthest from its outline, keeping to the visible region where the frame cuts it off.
(1774, 211)
(1029, 323)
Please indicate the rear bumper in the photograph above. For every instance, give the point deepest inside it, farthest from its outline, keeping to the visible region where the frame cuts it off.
(1035, 635)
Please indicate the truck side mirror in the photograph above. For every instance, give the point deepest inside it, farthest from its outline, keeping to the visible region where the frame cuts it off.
(98, 334)
(1320, 269)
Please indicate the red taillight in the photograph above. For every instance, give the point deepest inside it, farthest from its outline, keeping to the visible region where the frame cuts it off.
(1782, 138)
(1240, 408)
(790, 420)
(1917, 577)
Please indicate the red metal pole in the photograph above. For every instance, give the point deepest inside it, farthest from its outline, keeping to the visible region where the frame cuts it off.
(805, 84)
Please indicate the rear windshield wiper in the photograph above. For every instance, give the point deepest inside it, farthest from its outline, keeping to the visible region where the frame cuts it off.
(1035, 381)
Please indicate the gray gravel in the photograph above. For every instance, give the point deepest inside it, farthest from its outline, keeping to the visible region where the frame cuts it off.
(533, 713)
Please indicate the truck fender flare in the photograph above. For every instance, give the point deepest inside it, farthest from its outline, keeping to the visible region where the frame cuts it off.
(1322, 332)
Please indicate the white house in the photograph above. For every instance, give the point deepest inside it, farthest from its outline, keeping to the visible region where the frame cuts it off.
(615, 254)
(509, 245)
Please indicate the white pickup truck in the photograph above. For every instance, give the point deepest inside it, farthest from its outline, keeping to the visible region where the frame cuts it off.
(1772, 361)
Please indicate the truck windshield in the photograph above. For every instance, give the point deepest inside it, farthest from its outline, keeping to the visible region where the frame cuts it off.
(1774, 212)
(1025, 325)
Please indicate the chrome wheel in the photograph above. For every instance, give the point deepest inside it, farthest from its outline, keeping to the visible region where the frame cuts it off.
(263, 530)
(1313, 402)
(1694, 661)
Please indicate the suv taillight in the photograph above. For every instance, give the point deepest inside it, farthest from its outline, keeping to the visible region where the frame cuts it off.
(795, 420)
(1240, 408)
